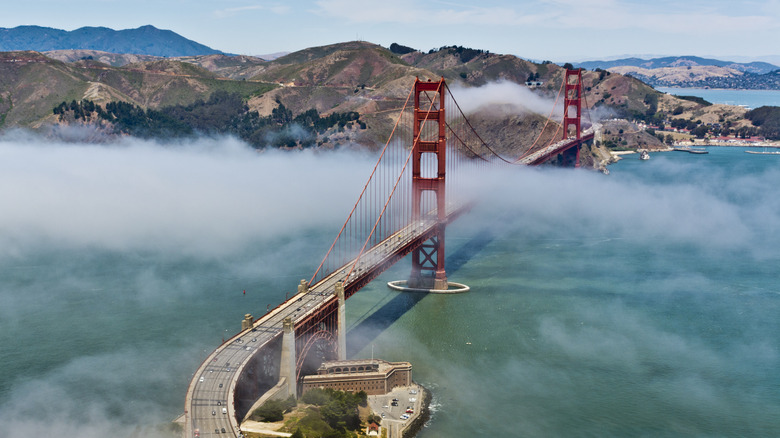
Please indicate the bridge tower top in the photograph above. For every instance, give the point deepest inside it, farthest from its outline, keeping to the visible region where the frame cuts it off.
(572, 102)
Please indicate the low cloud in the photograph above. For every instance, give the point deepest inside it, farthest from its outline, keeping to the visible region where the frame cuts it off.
(505, 94)
(708, 215)
(201, 197)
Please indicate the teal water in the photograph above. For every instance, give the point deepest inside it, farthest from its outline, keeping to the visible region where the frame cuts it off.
(748, 98)
(643, 303)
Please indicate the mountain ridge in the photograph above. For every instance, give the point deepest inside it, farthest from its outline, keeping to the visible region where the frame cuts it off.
(757, 67)
(144, 40)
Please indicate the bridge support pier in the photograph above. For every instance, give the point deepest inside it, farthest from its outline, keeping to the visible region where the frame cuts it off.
(247, 322)
(287, 365)
(342, 322)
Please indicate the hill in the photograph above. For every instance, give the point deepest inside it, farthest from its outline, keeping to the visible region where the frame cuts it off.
(31, 85)
(343, 93)
(145, 40)
(478, 67)
(112, 59)
(692, 71)
(680, 61)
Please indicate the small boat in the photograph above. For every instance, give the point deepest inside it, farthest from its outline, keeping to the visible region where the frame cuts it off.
(644, 155)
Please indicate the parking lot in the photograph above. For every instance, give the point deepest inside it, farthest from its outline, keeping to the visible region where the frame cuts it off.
(393, 407)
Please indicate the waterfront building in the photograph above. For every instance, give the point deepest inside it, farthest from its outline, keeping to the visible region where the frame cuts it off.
(374, 376)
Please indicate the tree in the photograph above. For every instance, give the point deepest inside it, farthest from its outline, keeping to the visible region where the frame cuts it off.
(700, 131)
(362, 398)
(400, 50)
(273, 410)
(270, 411)
(316, 396)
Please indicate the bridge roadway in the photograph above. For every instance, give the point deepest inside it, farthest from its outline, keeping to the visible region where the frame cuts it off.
(546, 153)
(212, 388)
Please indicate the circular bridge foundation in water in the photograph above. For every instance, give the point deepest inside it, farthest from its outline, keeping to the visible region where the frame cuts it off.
(452, 288)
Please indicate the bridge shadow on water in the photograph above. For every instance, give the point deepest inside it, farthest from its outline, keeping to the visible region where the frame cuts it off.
(372, 325)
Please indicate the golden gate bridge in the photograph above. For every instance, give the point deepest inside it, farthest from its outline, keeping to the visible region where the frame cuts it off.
(416, 188)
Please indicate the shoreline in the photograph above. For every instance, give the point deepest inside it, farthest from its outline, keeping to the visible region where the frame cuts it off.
(677, 87)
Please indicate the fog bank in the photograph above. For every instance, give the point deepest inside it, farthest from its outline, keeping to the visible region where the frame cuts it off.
(203, 197)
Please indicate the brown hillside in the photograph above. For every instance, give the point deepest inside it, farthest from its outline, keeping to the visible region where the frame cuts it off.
(355, 64)
(679, 75)
(224, 66)
(354, 76)
(32, 84)
(112, 59)
(483, 68)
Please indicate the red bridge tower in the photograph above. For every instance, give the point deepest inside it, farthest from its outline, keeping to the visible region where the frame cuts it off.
(572, 108)
(429, 138)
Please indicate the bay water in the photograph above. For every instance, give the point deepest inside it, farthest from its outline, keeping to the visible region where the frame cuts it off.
(642, 303)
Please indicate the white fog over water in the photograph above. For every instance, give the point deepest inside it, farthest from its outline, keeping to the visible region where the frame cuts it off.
(640, 303)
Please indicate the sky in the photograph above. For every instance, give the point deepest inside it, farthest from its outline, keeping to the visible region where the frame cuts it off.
(555, 30)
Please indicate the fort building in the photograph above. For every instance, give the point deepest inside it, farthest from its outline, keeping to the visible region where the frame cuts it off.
(374, 376)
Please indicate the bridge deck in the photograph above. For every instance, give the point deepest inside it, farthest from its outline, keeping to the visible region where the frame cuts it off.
(548, 152)
(212, 387)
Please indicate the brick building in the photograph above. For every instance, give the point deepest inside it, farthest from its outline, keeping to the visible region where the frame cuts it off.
(374, 376)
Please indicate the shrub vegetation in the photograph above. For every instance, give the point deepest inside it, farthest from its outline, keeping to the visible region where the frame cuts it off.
(223, 113)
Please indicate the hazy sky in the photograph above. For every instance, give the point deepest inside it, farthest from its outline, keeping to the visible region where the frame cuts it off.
(558, 30)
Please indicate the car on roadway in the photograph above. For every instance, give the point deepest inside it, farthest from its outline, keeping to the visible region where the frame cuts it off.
(201, 379)
(224, 411)
(213, 412)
